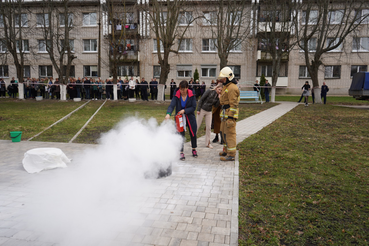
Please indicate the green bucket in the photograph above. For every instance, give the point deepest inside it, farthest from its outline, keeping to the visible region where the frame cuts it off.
(16, 136)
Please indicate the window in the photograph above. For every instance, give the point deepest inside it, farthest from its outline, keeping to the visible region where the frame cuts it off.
(332, 72)
(360, 44)
(237, 47)
(335, 16)
(362, 15)
(126, 71)
(184, 71)
(163, 18)
(208, 70)
(2, 46)
(185, 45)
(62, 19)
(42, 20)
(332, 42)
(312, 15)
(71, 71)
(358, 68)
(185, 18)
(25, 45)
(210, 18)
(303, 72)
(236, 71)
(89, 71)
(156, 46)
(311, 45)
(26, 71)
(4, 71)
(45, 71)
(209, 44)
(90, 45)
(267, 70)
(1, 21)
(89, 19)
(42, 45)
(235, 18)
(71, 45)
(23, 20)
(157, 71)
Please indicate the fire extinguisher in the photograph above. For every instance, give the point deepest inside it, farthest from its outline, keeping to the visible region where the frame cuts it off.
(179, 123)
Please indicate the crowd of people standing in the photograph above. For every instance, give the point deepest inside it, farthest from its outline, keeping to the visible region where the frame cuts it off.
(93, 88)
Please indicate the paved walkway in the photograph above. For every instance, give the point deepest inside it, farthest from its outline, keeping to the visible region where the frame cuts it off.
(197, 205)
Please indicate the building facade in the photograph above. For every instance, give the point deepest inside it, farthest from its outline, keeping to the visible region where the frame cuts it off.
(125, 30)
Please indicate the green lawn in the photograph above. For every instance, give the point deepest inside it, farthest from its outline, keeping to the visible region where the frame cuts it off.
(304, 179)
(32, 117)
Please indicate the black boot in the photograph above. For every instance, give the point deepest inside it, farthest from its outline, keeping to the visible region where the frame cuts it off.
(216, 139)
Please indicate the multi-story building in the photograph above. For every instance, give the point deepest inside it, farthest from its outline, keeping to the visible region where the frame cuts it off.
(97, 28)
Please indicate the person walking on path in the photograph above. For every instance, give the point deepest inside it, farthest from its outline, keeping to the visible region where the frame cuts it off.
(266, 90)
(323, 92)
(204, 109)
(184, 102)
(305, 92)
(229, 99)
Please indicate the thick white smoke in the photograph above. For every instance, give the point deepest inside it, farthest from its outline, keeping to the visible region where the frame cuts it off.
(99, 194)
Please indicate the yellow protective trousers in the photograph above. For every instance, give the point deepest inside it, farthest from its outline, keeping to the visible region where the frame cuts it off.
(228, 132)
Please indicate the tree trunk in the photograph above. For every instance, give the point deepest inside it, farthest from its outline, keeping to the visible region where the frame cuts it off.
(314, 78)
(165, 69)
(272, 95)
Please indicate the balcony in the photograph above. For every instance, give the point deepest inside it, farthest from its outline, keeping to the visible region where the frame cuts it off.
(279, 27)
(266, 56)
(127, 56)
(123, 29)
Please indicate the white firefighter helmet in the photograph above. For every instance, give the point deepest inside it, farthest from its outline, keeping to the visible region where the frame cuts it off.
(226, 72)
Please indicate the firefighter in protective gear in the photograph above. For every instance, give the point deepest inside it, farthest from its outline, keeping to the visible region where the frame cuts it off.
(229, 99)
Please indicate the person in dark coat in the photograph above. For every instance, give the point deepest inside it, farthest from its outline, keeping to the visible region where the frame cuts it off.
(323, 92)
(209, 100)
(143, 87)
(154, 89)
(87, 87)
(173, 87)
(184, 103)
(266, 90)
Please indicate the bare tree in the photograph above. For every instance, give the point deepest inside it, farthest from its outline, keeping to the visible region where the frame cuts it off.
(56, 21)
(229, 24)
(123, 37)
(324, 26)
(15, 22)
(276, 28)
(170, 20)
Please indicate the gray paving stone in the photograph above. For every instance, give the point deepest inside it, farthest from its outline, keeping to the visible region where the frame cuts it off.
(196, 205)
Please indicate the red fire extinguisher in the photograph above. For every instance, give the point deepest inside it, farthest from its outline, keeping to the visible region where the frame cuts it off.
(179, 123)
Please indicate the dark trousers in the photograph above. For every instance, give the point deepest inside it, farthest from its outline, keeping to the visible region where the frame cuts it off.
(131, 93)
(144, 96)
(325, 97)
(87, 90)
(78, 92)
(266, 93)
(154, 94)
(193, 138)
